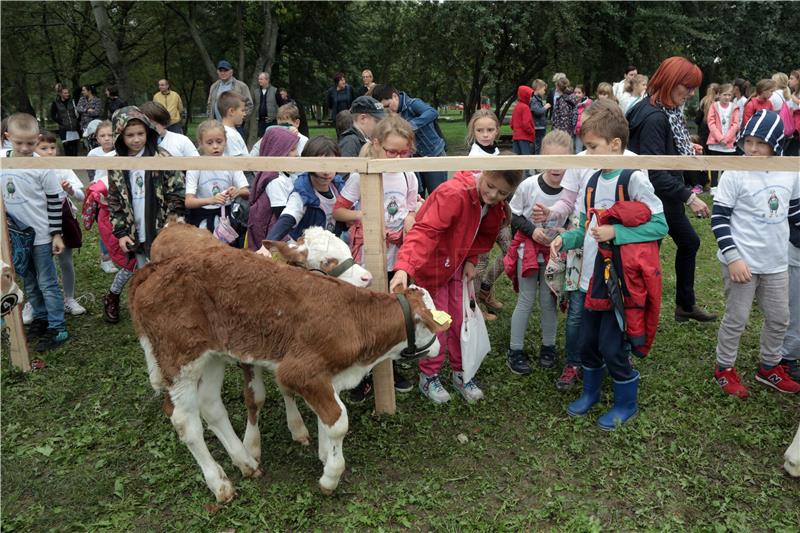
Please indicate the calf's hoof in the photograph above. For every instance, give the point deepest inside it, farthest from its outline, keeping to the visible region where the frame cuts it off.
(326, 492)
(304, 440)
(327, 485)
(225, 493)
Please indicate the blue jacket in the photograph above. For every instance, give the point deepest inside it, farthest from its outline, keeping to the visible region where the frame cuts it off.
(539, 113)
(314, 215)
(422, 118)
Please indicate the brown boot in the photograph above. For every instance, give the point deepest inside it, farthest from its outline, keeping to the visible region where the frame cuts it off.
(487, 297)
(111, 307)
(697, 313)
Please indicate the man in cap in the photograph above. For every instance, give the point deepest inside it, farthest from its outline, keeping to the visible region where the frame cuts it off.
(227, 82)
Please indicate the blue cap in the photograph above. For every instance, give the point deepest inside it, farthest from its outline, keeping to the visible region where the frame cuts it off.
(765, 125)
(223, 63)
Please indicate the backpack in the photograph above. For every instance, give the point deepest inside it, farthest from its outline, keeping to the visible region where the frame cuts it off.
(623, 181)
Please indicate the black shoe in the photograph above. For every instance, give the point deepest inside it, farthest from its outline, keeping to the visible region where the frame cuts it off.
(37, 329)
(696, 313)
(791, 367)
(517, 361)
(547, 356)
(51, 340)
(362, 390)
(401, 384)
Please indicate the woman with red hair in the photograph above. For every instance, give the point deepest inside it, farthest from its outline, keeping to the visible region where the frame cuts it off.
(657, 127)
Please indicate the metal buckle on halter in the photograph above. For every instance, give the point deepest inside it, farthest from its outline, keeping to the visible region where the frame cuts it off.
(340, 269)
(412, 351)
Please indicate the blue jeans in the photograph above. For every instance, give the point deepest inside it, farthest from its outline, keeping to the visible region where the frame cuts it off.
(578, 144)
(537, 143)
(572, 328)
(521, 147)
(42, 290)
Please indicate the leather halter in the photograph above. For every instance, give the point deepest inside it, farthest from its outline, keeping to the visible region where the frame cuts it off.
(340, 269)
(412, 351)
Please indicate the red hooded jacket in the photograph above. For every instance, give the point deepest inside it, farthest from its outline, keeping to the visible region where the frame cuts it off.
(448, 231)
(521, 119)
(641, 266)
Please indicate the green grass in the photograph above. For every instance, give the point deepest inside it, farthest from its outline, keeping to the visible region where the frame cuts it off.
(85, 446)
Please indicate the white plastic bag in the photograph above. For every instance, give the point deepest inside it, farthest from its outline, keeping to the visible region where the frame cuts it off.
(474, 337)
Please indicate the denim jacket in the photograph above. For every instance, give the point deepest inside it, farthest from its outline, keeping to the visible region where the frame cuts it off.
(422, 117)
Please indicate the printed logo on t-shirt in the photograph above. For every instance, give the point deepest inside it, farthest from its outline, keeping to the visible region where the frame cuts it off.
(11, 188)
(774, 204)
(769, 208)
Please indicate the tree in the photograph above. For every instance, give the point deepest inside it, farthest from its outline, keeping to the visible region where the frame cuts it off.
(109, 39)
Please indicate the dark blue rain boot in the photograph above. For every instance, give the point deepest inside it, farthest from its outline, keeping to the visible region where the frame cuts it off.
(625, 406)
(592, 382)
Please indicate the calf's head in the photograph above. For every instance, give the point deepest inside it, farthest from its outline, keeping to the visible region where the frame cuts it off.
(426, 343)
(11, 294)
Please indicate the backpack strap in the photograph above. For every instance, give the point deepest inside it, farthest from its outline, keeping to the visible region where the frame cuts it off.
(591, 187)
(623, 182)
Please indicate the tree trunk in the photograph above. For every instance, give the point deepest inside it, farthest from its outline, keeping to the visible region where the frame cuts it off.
(238, 11)
(266, 56)
(211, 69)
(115, 60)
(476, 87)
(189, 98)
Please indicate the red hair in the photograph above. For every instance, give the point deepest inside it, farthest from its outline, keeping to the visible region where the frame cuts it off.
(672, 72)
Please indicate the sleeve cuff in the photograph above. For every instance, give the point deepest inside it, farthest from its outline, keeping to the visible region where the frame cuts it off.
(731, 255)
(689, 199)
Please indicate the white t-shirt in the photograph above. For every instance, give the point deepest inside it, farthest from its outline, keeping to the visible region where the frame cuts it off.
(399, 199)
(725, 115)
(234, 144)
(136, 179)
(279, 189)
(575, 178)
(529, 193)
(178, 145)
(101, 174)
(24, 197)
(64, 174)
(296, 209)
(760, 203)
(740, 102)
(639, 189)
(477, 151)
(207, 183)
(777, 100)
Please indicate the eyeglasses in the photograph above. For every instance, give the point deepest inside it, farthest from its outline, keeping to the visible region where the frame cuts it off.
(396, 153)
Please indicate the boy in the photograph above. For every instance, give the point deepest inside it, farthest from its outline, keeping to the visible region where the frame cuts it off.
(32, 198)
(232, 108)
(177, 144)
(427, 136)
(366, 113)
(749, 222)
(605, 132)
(539, 110)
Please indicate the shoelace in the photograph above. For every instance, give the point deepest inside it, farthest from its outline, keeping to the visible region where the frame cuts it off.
(434, 383)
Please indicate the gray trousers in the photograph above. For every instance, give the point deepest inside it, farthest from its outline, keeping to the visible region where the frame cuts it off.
(772, 293)
(529, 289)
(791, 343)
(65, 261)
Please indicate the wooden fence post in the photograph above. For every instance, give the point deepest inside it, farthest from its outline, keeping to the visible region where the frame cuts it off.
(375, 262)
(18, 345)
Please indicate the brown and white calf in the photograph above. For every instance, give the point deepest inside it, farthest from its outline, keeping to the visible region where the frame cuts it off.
(792, 456)
(318, 335)
(10, 293)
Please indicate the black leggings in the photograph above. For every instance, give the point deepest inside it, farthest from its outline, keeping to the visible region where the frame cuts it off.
(688, 243)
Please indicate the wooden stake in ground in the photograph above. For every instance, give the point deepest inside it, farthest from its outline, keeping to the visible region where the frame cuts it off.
(17, 341)
(375, 261)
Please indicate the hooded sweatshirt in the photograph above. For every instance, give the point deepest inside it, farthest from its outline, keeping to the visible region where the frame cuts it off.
(521, 119)
(139, 202)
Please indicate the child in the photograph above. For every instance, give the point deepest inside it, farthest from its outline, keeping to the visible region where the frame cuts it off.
(104, 137)
(288, 117)
(749, 222)
(605, 132)
(741, 88)
(139, 201)
(3, 130)
(344, 121)
(523, 132)
(760, 100)
(528, 255)
(791, 342)
(176, 144)
(605, 90)
(391, 138)
(583, 102)
(208, 189)
(313, 198)
(456, 224)
(72, 186)
(366, 113)
(32, 198)
(564, 116)
(271, 190)
(723, 125)
(539, 109)
(232, 109)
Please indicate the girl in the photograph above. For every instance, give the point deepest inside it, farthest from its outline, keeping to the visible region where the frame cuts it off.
(781, 93)
(482, 132)
(634, 90)
(312, 200)
(528, 254)
(459, 221)
(723, 125)
(271, 190)
(139, 201)
(760, 99)
(209, 191)
(104, 138)
(701, 119)
(73, 188)
(564, 116)
(793, 144)
(604, 90)
(392, 137)
(583, 102)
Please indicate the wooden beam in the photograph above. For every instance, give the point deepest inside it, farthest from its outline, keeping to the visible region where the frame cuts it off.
(375, 261)
(18, 344)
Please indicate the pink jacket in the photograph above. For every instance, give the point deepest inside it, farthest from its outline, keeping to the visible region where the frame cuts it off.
(581, 107)
(715, 127)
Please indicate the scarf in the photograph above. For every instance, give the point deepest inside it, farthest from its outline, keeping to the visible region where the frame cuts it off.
(678, 126)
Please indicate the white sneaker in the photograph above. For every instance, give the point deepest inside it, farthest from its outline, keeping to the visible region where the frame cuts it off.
(469, 390)
(72, 307)
(432, 388)
(27, 313)
(108, 267)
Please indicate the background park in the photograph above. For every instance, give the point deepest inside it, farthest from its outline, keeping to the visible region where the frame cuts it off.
(85, 446)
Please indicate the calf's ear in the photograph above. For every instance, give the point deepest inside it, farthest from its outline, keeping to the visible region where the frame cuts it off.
(436, 326)
(292, 253)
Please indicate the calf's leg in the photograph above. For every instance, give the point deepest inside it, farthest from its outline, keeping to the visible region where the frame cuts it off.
(792, 456)
(294, 420)
(333, 424)
(254, 395)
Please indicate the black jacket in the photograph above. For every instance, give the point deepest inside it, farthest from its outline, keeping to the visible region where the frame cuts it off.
(351, 141)
(65, 115)
(650, 134)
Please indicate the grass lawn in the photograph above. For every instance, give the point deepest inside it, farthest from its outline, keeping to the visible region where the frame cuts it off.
(85, 446)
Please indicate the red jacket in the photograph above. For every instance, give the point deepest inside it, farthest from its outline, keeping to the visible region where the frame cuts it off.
(522, 119)
(448, 231)
(530, 263)
(95, 207)
(753, 106)
(642, 277)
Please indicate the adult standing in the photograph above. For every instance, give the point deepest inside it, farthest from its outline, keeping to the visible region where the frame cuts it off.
(227, 82)
(89, 107)
(339, 97)
(64, 113)
(113, 101)
(619, 87)
(658, 127)
(367, 81)
(267, 104)
(172, 103)
(554, 94)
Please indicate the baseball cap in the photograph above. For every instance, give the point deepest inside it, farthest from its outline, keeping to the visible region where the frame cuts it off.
(368, 105)
(223, 63)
